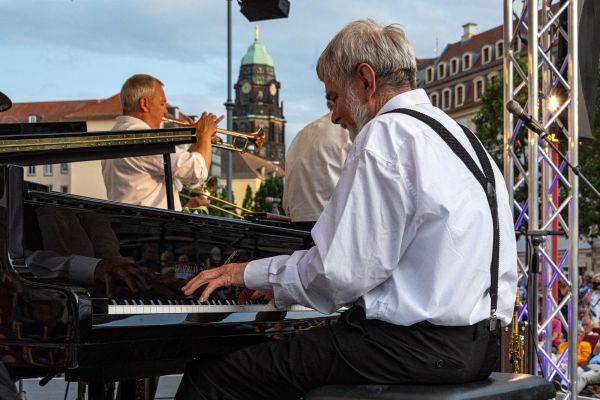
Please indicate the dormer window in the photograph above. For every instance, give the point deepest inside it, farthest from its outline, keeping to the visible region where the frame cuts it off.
(486, 54)
(499, 49)
(441, 70)
(459, 95)
(32, 119)
(429, 74)
(466, 61)
(479, 88)
(434, 99)
(446, 99)
(493, 78)
(454, 66)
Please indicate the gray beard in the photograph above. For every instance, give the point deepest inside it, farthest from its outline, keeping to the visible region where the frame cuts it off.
(358, 111)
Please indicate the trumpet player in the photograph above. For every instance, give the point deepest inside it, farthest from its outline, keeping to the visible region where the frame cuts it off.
(141, 180)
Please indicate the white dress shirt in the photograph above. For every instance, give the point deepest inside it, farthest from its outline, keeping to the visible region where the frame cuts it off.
(313, 164)
(141, 180)
(407, 232)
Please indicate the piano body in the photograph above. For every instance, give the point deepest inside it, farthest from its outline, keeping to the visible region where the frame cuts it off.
(50, 326)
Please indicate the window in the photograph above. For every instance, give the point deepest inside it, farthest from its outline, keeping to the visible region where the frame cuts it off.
(429, 74)
(434, 99)
(486, 54)
(499, 49)
(48, 169)
(478, 83)
(466, 62)
(32, 119)
(441, 70)
(31, 170)
(493, 78)
(64, 188)
(446, 99)
(459, 95)
(454, 66)
(50, 187)
(64, 168)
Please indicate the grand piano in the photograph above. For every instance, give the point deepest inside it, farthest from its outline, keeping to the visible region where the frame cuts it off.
(50, 325)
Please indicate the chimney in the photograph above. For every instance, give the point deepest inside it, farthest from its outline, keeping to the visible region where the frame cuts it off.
(469, 30)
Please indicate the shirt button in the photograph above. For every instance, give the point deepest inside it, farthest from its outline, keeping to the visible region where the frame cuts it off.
(439, 363)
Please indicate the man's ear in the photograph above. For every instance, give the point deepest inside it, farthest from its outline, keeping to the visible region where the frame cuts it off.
(368, 80)
(143, 104)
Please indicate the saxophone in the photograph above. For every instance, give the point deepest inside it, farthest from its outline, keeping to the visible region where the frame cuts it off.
(517, 341)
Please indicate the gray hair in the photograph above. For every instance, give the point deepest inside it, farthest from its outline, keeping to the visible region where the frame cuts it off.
(134, 89)
(385, 48)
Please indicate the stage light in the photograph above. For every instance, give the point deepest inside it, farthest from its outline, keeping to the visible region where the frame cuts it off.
(258, 10)
(553, 103)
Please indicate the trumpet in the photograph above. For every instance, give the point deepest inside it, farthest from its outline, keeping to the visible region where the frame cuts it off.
(239, 141)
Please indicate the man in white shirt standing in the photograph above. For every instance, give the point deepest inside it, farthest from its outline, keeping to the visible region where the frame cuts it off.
(415, 240)
(141, 180)
(313, 164)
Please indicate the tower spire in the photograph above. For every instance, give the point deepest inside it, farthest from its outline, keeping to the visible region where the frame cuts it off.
(256, 33)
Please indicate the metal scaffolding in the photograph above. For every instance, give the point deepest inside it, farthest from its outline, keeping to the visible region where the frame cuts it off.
(531, 166)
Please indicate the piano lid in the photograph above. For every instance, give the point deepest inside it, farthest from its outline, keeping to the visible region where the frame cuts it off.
(58, 147)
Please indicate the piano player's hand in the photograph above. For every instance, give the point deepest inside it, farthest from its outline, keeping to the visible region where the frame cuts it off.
(224, 276)
(248, 294)
(134, 276)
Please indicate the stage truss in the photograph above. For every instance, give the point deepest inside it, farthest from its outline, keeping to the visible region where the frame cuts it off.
(532, 167)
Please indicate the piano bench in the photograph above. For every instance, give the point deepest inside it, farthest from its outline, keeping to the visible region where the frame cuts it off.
(498, 386)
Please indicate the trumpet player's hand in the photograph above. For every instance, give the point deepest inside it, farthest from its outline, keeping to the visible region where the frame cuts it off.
(205, 130)
(206, 126)
(260, 142)
(197, 201)
(224, 276)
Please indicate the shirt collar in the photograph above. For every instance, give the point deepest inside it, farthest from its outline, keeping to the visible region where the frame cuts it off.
(128, 119)
(405, 99)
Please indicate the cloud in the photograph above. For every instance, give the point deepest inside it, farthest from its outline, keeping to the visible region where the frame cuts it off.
(61, 49)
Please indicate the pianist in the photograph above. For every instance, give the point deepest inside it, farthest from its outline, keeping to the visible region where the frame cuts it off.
(141, 180)
(406, 241)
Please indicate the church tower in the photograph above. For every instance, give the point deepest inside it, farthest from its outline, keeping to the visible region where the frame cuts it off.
(257, 101)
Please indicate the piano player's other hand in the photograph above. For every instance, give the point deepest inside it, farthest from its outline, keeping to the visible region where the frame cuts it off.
(249, 294)
(224, 276)
(134, 276)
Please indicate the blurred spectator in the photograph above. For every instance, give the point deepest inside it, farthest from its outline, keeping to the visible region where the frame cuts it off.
(584, 349)
(592, 298)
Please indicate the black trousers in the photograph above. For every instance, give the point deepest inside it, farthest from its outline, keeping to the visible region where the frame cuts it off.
(354, 350)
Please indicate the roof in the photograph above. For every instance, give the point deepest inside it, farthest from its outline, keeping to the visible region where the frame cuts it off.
(473, 44)
(249, 166)
(69, 110)
(257, 53)
(47, 111)
(424, 62)
(110, 107)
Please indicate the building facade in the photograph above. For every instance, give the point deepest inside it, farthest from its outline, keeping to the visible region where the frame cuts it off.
(456, 80)
(81, 178)
(257, 102)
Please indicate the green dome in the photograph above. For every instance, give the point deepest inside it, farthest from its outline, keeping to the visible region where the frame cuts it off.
(257, 54)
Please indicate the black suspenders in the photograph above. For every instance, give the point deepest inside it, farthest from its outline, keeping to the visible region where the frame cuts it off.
(485, 179)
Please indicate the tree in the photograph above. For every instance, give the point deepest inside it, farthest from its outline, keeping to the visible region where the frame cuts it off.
(247, 202)
(271, 187)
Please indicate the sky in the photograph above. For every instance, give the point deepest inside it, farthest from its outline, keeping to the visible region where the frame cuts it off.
(86, 49)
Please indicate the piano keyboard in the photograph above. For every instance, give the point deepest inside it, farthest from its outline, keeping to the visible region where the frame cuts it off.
(182, 306)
